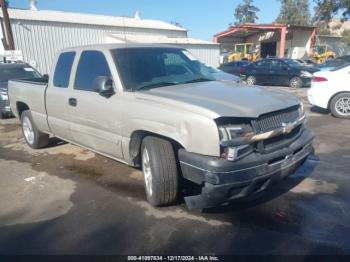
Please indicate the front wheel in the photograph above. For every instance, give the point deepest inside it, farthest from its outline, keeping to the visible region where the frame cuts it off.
(34, 138)
(160, 171)
(296, 82)
(340, 105)
(251, 80)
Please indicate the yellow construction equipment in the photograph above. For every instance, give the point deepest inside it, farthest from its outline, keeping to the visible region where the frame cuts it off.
(322, 53)
(245, 51)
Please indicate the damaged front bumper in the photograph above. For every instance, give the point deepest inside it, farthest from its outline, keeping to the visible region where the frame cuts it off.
(224, 181)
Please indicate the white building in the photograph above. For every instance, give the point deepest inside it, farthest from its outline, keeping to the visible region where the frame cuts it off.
(39, 34)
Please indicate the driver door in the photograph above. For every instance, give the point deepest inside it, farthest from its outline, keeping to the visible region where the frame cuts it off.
(95, 119)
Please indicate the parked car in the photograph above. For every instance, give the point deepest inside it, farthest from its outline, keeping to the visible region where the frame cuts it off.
(8, 72)
(334, 63)
(331, 90)
(278, 71)
(150, 106)
(233, 67)
(222, 76)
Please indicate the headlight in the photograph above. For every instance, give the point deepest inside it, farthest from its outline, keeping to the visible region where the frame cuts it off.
(235, 141)
(3, 95)
(305, 74)
(301, 109)
(234, 132)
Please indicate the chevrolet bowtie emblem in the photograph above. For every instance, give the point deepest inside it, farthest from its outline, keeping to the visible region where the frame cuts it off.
(287, 127)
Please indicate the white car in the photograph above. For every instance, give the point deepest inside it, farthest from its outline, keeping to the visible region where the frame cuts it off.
(331, 90)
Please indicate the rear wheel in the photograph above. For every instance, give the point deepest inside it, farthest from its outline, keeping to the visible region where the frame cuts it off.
(340, 105)
(251, 80)
(160, 171)
(34, 138)
(296, 82)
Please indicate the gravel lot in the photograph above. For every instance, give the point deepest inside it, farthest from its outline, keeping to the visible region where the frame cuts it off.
(68, 200)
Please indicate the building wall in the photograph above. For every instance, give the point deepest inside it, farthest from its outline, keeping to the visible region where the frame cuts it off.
(40, 41)
(208, 54)
(297, 41)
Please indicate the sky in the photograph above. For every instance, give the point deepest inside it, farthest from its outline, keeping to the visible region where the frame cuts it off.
(202, 18)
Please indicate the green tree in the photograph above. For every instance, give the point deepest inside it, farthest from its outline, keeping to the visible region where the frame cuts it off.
(246, 12)
(327, 9)
(294, 12)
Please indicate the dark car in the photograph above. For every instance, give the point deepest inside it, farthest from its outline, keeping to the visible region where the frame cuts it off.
(9, 72)
(278, 71)
(233, 67)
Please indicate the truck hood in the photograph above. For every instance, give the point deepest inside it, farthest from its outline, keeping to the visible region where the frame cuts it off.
(221, 99)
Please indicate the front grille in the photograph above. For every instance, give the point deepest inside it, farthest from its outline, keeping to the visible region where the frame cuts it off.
(276, 119)
(280, 141)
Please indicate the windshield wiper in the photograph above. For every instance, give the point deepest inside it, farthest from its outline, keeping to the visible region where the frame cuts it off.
(197, 80)
(160, 84)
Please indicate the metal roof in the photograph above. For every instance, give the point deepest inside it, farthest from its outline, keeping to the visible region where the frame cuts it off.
(89, 19)
(160, 39)
(248, 29)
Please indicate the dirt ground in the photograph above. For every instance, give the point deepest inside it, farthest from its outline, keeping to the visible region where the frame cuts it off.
(68, 200)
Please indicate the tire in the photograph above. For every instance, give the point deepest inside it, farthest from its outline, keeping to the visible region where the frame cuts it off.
(340, 105)
(34, 138)
(2, 115)
(160, 171)
(251, 80)
(296, 82)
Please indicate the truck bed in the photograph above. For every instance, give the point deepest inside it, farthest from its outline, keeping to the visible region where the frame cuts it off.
(30, 93)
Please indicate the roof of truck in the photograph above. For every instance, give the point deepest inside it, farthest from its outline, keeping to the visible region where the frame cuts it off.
(117, 46)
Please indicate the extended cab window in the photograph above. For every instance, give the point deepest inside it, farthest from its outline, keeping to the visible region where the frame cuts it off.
(91, 65)
(63, 69)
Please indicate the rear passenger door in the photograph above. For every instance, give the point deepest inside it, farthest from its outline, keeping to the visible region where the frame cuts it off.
(261, 71)
(94, 118)
(279, 72)
(57, 95)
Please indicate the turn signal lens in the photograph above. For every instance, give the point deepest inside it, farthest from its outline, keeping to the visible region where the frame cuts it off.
(319, 79)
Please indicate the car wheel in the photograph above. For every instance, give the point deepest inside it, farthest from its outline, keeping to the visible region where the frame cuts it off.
(160, 171)
(251, 80)
(34, 138)
(2, 115)
(296, 82)
(340, 105)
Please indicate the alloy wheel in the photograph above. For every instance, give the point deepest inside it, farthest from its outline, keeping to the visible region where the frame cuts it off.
(342, 106)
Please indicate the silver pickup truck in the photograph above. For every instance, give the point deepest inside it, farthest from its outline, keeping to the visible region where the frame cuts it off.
(156, 107)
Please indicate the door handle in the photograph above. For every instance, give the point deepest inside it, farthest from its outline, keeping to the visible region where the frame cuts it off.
(72, 101)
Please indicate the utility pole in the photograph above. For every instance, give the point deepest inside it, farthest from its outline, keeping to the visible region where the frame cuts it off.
(9, 35)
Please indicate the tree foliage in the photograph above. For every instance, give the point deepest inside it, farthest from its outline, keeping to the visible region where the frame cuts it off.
(327, 9)
(294, 12)
(246, 12)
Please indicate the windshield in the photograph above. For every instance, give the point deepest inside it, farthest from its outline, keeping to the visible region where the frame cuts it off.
(292, 63)
(319, 49)
(334, 63)
(212, 70)
(341, 67)
(25, 72)
(152, 67)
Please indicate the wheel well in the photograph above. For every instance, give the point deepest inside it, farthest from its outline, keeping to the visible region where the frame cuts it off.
(330, 100)
(136, 142)
(21, 107)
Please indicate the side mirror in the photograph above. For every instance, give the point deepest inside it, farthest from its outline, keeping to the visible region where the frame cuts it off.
(104, 86)
(46, 77)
